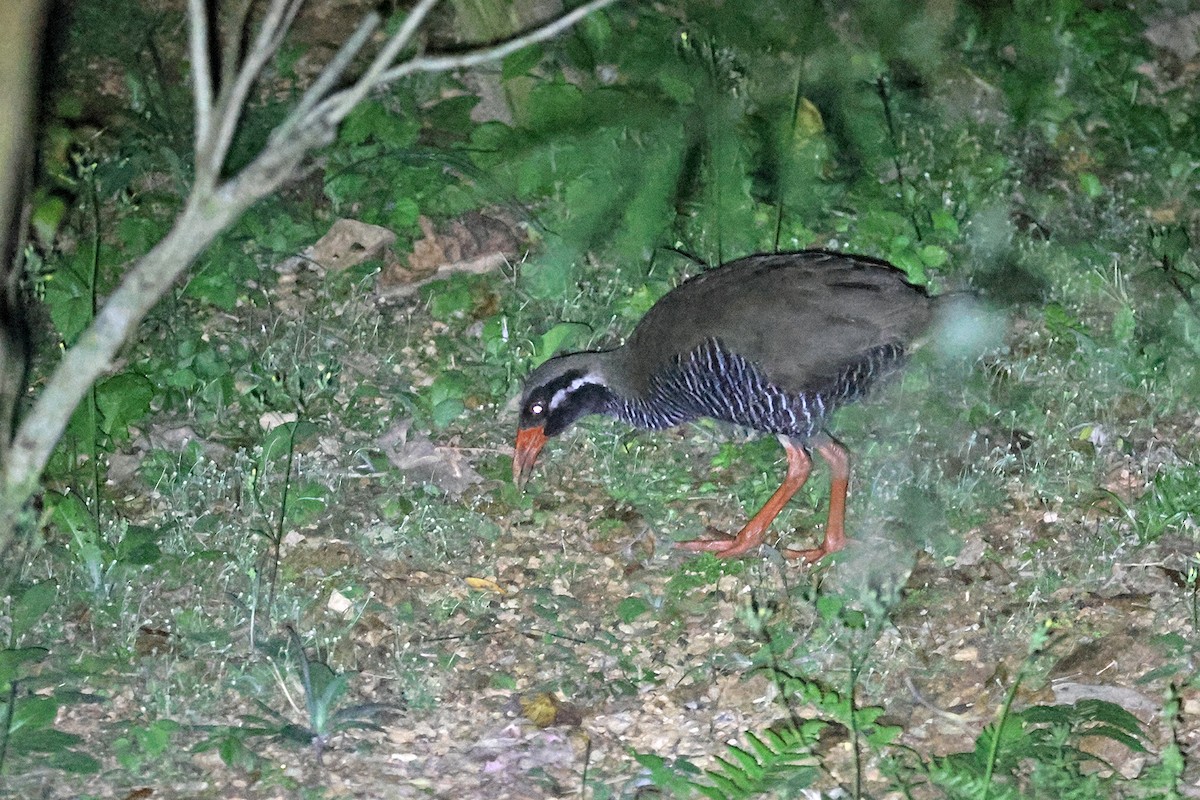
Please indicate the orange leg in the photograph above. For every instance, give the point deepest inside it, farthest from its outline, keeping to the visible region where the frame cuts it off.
(799, 465)
(835, 526)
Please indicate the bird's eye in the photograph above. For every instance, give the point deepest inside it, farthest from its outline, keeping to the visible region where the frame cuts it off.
(537, 409)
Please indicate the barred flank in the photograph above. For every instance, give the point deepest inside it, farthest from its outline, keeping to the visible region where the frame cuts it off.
(713, 382)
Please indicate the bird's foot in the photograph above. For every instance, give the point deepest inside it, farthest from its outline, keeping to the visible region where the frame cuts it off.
(810, 556)
(721, 544)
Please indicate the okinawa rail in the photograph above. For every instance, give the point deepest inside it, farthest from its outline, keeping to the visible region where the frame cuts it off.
(775, 343)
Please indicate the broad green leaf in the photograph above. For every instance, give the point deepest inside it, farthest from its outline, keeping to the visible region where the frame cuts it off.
(403, 215)
(279, 439)
(30, 605)
(139, 546)
(446, 412)
(306, 501)
(212, 284)
(122, 400)
(1124, 325)
(32, 713)
(448, 298)
(521, 62)
(11, 661)
(450, 385)
(74, 762)
(554, 107)
(944, 222)
(69, 296)
(559, 338)
(631, 608)
(47, 216)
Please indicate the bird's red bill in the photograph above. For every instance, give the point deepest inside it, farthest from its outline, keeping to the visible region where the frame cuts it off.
(529, 444)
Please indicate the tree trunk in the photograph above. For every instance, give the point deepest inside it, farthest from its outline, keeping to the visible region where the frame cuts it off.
(22, 22)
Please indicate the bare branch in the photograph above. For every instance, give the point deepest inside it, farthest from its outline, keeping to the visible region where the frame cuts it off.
(328, 77)
(232, 101)
(235, 38)
(205, 216)
(400, 39)
(473, 58)
(337, 106)
(202, 86)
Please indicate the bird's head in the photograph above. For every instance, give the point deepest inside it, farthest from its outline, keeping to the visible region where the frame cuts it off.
(556, 394)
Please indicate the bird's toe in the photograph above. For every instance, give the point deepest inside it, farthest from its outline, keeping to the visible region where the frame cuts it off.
(808, 556)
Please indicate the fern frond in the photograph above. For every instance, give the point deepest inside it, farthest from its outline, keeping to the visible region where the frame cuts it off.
(771, 760)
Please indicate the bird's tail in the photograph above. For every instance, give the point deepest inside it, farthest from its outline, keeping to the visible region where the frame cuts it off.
(964, 326)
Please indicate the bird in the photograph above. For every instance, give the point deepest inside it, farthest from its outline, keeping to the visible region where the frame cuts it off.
(773, 342)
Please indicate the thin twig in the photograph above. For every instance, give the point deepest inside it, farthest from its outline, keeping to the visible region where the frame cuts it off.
(232, 101)
(235, 39)
(474, 58)
(329, 76)
(885, 98)
(334, 108)
(202, 86)
(372, 77)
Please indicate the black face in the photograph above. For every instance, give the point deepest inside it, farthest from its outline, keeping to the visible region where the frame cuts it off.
(554, 405)
(535, 408)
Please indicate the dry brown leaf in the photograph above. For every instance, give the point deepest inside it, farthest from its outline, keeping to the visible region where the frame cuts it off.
(338, 603)
(484, 583)
(348, 243)
(473, 243)
(153, 642)
(422, 460)
(271, 420)
(544, 709)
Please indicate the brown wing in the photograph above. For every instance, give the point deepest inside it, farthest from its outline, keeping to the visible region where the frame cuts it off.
(802, 317)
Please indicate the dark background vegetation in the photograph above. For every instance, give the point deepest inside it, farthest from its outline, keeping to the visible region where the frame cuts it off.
(243, 581)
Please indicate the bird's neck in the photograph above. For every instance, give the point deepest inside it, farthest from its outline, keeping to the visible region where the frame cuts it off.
(647, 404)
(607, 384)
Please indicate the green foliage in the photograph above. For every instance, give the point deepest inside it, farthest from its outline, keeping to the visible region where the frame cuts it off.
(324, 691)
(699, 572)
(715, 128)
(1172, 504)
(691, 148)
(445, 398)
(198, 373)
(68, 296)
(631, 608)
(145, 746)
(1037, 752)
(778, 763)
(385, 167)
(840, 707)
(70, 514)
(30, 734)
(26, 608)
(232, 272)
(27, 732)
(676, 777)
(1049, 738)
(98, 558)
(558, 339)
(122, 400)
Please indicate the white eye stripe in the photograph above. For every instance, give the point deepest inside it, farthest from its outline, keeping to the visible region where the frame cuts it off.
(569, 389)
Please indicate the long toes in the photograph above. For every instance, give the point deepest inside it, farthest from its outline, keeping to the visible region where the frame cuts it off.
(706, 545)
(810, 556)
(722, 545)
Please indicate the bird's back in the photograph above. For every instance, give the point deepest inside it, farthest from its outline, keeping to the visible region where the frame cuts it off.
(801, 318)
